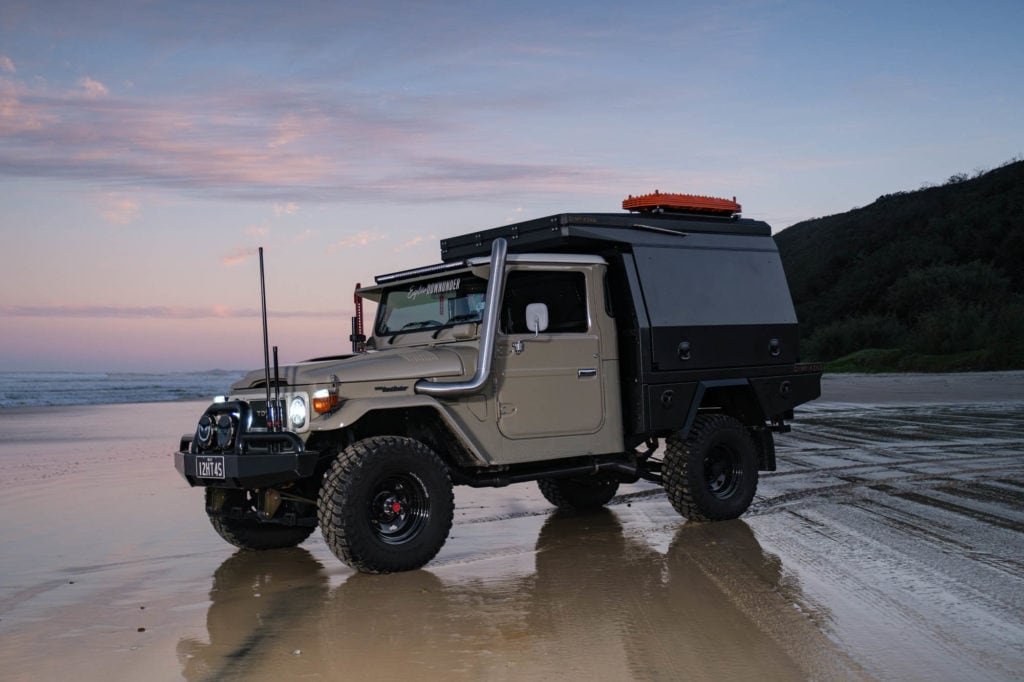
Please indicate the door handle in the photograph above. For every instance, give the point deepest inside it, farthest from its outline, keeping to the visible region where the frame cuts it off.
(590, 372)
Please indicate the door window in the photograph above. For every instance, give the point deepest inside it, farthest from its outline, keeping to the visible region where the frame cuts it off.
(564, 293)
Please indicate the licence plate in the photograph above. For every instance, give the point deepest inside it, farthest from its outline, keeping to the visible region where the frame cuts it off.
(209, 467)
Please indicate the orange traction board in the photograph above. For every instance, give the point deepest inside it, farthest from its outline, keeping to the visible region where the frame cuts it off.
(689, 203)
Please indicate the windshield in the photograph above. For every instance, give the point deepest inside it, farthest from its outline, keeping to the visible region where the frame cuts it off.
(435, 303)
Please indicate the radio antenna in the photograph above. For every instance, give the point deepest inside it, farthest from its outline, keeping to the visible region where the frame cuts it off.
(266, 342)
(278, 408)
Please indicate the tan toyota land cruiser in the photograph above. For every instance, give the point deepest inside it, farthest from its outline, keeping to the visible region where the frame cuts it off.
(581, 351)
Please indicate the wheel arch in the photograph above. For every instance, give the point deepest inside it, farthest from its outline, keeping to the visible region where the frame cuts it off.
(734, 397)
(739, 399)
(417, 417)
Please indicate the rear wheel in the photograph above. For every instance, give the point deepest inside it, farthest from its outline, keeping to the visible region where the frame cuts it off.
(233, 515)
(711, 475)
(386, 505)
(589, 492)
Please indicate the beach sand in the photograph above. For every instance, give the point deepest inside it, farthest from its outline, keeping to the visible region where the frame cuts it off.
(888, 545)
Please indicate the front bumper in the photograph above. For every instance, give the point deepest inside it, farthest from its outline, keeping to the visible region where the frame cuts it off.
(250, 470)
(250, 459)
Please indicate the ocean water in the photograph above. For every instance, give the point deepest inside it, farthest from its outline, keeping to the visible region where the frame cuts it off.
(37, 389)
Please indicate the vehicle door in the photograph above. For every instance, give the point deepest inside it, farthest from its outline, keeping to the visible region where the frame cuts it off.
(548, 382)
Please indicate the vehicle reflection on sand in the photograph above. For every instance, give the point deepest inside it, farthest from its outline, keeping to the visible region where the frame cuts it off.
(602, 602)
(256, 598)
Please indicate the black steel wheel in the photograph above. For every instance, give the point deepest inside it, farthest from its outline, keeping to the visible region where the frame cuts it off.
(246, 531)
(399, 508)
(386, 505)
(711, 475)
(585, 492)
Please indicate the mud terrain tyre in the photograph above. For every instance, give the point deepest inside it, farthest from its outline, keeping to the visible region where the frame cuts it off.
(251, 534)
(591, 492)
(386, 505)
(712, 474)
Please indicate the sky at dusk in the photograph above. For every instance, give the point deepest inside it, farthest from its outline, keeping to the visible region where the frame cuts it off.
(148, 148)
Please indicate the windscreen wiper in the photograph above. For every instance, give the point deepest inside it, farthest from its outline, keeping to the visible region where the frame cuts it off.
(411, 327)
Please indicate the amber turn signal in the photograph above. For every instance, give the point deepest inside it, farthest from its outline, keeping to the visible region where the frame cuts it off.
(324, 403)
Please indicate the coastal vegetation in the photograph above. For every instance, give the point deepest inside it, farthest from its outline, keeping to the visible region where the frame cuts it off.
(928, 280)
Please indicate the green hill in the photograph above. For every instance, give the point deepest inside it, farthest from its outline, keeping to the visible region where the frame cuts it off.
(929, 280)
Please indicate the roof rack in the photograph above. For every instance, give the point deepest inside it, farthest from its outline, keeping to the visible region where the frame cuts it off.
(598, 232)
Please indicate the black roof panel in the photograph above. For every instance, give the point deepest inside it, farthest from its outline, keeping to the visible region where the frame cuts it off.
(594, 232)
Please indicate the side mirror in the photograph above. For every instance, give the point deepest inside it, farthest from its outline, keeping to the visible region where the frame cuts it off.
(536, 322)
(536, 317)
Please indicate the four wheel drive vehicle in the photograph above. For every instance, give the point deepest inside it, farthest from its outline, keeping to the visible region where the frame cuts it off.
(579, 350)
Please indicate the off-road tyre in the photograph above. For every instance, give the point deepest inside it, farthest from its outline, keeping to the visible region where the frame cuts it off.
(386, 505)
(590, 492)
(711, 475)
(251, 534)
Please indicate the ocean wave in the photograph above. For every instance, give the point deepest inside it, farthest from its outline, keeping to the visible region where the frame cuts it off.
(41, 389)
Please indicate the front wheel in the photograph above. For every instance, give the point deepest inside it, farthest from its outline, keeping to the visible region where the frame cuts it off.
(246, 531)
(386, 505)
(711, 475)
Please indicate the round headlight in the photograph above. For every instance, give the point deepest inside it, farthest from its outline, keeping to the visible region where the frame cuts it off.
(297, 412)
(204, 432)
(225, 431)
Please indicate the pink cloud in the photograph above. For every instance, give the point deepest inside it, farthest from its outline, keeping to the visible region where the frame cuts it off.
(15, 115)
(119, 209)
(149, 344)
(289, 129)
(146, 312)
(92, 89)
(277, 143)
(359, 239)
(238, 257)
(415, 241)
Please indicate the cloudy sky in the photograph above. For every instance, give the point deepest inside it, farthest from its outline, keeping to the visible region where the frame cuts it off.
(148, 148)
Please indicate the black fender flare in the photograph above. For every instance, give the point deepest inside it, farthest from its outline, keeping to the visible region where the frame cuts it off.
(703, 387)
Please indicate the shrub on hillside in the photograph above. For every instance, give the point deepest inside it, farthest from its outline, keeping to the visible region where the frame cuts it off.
(946, 287)
(956, 329)
(950, 330)
(846, 336)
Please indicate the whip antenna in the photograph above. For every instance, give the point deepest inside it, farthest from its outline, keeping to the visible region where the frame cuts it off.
(266, 343)
(278, 408)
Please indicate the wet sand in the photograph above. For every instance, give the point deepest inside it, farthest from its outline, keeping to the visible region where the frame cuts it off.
(888, 545)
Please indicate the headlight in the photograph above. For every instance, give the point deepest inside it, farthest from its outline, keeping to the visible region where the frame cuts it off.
(297, 412)
(226, 426)
(204, 432)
